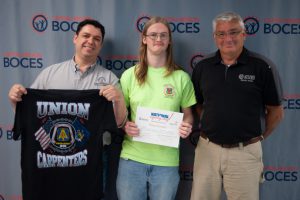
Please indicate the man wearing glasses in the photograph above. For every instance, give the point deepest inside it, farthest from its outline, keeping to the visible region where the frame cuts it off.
(234, 88)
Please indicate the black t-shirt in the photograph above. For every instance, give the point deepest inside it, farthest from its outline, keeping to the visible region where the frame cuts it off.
(61, 143)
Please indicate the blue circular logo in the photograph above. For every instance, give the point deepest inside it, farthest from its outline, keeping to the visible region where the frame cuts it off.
(251, 25)
(195, 59)
(141, 23)
(40, 23)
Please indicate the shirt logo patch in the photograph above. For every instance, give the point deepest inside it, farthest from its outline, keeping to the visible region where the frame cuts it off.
(247, 78)
(101, 81)
(169, 90)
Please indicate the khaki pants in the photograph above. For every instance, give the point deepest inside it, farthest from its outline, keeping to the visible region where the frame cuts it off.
(238, 170)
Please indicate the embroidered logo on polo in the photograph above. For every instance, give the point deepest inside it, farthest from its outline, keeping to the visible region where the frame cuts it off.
(246, 78)
(62, 139)
(169, 90)
(101, 81)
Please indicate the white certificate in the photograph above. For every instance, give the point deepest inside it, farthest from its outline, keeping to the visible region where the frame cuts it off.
(158, 126)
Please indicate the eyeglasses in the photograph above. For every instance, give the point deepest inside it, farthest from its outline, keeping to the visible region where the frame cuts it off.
(154, 36)
(231, 34)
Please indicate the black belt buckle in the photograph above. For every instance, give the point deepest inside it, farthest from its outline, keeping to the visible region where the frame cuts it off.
(229, 145)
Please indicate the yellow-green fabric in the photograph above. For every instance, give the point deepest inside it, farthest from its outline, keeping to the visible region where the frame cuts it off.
(159, 92)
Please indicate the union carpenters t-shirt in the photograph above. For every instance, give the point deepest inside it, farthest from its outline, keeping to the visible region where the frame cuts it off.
(61, 143)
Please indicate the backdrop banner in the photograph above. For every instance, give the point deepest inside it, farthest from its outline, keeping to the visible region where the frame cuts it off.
(36, 34)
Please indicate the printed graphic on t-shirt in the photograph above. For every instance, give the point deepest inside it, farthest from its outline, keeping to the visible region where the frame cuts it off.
(61, 138)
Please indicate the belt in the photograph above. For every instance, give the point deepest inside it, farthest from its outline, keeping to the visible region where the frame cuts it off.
(251, 141)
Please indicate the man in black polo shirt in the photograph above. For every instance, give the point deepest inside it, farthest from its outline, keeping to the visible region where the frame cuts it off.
(234, 89)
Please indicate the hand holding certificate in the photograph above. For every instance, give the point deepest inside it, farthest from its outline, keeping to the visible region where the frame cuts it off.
(158, 126)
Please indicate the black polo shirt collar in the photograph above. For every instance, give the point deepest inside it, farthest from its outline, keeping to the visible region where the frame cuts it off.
(242, 59)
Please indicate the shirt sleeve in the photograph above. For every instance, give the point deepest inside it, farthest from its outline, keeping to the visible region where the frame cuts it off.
(188, 94)
(113, 79)
(196, 76)
(40, 81)
(273, 94)
(109, 118)
(125, 84)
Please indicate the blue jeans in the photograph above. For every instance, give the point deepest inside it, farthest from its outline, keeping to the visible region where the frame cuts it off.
(136, 181)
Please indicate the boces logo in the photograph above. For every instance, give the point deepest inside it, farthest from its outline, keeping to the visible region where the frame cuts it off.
(140, 23)
(281, 174)
(186, 25)
(195, 59)
(24, 60)
(286, 26)
(291, 102)
(251, 25)
(40, 23)
(118, 62)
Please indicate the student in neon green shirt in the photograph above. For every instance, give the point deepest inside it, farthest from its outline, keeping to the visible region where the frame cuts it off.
(156, 82)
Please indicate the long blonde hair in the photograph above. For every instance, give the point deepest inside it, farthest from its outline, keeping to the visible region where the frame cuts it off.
(142, 68)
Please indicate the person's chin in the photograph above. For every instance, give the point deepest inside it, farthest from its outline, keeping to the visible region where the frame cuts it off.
(229, 49)
(159, 49)
(89, 55)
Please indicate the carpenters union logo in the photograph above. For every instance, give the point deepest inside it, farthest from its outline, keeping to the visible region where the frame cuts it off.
(40, 23)
(62, 135)
(63, 126)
